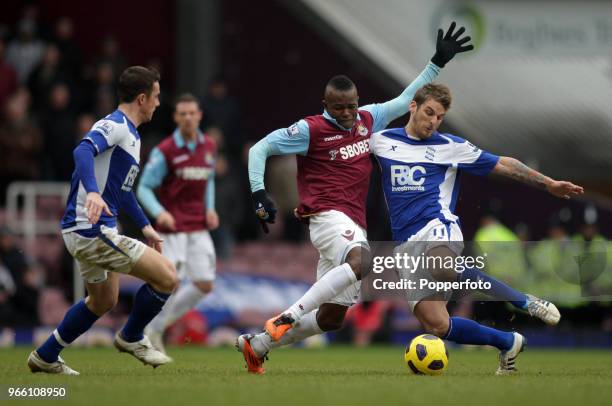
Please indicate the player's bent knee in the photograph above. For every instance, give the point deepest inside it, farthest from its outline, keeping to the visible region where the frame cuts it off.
(355, 260)
(169, 283)
(330, 325)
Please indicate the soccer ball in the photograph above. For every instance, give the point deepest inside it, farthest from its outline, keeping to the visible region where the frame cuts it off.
(426, 354)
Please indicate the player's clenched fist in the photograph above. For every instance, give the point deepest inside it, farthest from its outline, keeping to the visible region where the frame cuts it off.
(212, 219)
(95, 205)
(165, 221)
(264, 206)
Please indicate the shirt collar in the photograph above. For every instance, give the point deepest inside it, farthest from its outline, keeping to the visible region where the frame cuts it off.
(129, 123)
(433, 136)
(179, 141)
(333, 120)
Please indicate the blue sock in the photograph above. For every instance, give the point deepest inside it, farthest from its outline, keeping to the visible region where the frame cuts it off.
(77, 320)
(147, 304)
(498, 289)
(466, 331)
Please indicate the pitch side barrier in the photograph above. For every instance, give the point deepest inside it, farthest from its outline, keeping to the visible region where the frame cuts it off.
(566, 272)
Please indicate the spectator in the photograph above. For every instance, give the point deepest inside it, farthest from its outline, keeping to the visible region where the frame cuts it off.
(71, 54)
(84, 123)
(8, 77)
(48, 72)
(111, 53)
(28, 280)
(31, 12)
(104, 103)
(25, 51)
(555, 271)
(20, 143)
(105, 77)
(221, 110)
(229, 207)
(505, 253)
(7, 292)
(58, 129)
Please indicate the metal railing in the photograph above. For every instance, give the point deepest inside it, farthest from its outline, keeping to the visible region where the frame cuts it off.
(22, 216)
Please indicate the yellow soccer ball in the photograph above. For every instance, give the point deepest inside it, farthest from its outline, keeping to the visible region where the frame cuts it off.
(426, 354)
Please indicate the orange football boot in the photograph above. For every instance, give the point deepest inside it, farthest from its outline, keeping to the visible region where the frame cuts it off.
(277, 326)
(254, 363)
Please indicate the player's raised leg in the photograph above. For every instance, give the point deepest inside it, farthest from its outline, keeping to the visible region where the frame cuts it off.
(161, 280)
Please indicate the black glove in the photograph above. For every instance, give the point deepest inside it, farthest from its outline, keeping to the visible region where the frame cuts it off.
(450, 45)
(264, 207)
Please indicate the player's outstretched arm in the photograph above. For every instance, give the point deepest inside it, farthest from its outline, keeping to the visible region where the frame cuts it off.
(515, 169)
(447, 46)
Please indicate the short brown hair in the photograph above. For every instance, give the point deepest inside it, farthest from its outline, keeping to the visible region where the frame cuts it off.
(186, 98)
(436, 91)
(136, 80)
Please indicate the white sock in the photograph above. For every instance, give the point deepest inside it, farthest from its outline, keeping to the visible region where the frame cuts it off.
(306, 327)
(183, 300)
(329, 286)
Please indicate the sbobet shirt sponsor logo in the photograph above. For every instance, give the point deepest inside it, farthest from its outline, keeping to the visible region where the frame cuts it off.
(353, 150)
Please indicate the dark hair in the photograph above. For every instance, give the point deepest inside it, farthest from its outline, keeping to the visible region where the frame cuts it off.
(436, 91)
(186, 98)
(341, 83)
(136, 80)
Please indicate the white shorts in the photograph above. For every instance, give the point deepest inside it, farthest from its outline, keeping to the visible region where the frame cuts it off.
(334, 234)
(193, 254)
(97, 256)
(434, 234)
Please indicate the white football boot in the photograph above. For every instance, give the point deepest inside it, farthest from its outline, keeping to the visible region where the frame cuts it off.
(38, 364)
(142, 350)
(157, 339)
(543, 310)
(507, 358)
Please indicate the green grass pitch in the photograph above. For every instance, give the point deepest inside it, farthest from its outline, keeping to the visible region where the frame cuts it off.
(329, 376)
